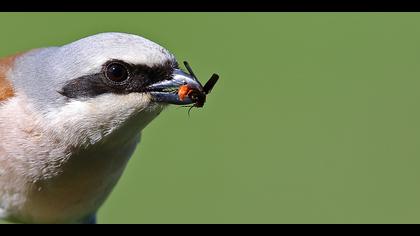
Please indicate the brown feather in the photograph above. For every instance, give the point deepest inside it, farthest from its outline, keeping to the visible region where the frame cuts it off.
(6, 87)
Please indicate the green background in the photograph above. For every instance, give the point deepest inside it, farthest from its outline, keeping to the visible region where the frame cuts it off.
(315, 118)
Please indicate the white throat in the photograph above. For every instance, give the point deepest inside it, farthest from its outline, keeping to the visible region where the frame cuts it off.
(90, 121)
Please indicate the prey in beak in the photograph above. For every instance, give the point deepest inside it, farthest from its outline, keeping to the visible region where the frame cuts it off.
(182, 89)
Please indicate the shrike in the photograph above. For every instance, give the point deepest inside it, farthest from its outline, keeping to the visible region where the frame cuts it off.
(71, 117)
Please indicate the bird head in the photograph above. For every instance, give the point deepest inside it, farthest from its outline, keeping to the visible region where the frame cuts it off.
(100, 83)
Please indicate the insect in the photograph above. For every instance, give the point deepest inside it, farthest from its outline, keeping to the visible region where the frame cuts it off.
(197, 95)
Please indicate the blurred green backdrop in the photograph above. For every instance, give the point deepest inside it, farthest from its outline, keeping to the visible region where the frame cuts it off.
(315, 118)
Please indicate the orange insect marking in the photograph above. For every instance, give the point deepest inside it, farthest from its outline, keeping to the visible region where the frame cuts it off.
(184, 91)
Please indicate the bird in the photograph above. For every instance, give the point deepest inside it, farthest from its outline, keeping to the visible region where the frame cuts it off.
(71, 117)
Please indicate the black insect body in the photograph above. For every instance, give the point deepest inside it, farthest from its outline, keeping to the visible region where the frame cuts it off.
(197, 94)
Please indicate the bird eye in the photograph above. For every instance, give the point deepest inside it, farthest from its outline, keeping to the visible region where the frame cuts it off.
(116, 72)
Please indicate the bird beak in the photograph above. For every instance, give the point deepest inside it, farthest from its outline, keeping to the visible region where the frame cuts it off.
(166, 91)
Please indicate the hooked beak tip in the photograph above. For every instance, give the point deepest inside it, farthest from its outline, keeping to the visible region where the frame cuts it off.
(167, 91)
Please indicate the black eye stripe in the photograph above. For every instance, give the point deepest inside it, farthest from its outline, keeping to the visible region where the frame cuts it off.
(117, 80)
